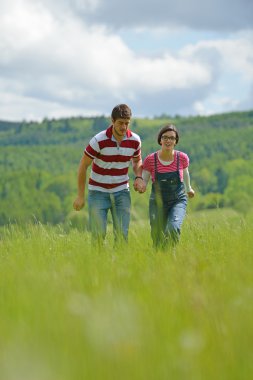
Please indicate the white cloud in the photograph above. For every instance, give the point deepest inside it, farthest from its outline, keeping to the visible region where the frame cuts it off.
(18, 107)
(54, 63)
(236, 53)
(24, 23)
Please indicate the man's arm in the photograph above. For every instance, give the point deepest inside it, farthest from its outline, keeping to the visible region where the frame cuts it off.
(137, 166)
(139, 184)
(81, 182)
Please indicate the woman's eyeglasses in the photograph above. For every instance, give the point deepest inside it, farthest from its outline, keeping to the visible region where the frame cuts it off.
(168, 138)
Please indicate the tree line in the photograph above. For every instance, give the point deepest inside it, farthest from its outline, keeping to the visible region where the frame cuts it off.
(39, 161)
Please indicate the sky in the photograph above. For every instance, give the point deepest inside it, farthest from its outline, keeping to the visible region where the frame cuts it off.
(71, 58)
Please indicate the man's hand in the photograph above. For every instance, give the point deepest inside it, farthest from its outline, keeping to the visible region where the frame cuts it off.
(78, 203)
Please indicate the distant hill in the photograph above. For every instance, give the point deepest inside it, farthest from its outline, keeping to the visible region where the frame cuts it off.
(38, 162)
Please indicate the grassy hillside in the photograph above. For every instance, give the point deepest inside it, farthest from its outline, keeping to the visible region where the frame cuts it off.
(71, 311)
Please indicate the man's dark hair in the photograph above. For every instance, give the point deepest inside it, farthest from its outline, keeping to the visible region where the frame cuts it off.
(121, 111)
(166, 128)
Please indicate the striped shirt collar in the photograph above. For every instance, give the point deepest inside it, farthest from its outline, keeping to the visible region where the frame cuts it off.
(109, 133)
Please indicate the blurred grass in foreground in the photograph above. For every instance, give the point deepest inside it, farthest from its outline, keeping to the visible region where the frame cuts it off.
(70, 311)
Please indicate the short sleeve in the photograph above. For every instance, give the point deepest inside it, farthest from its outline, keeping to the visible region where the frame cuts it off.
(92, 150)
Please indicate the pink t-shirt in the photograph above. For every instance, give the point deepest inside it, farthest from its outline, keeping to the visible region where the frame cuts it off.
(149, 164)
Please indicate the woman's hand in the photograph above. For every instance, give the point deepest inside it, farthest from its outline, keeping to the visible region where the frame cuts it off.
(191, 193)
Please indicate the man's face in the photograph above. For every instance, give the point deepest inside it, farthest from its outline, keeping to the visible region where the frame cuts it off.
(120, 127)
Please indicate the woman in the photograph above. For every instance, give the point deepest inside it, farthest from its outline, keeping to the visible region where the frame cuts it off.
(168, 169)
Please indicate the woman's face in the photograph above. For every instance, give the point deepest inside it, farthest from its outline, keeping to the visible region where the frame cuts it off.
(168, 140)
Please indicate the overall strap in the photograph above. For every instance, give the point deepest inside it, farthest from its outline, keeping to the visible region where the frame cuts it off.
(155, 158)
(178, 161)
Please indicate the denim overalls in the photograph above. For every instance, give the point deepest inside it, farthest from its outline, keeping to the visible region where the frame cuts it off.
(167, 206)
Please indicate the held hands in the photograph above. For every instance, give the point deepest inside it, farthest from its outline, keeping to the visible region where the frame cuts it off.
(139, 185)
(78, 203)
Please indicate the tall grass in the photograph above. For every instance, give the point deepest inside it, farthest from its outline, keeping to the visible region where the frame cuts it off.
(70, 310)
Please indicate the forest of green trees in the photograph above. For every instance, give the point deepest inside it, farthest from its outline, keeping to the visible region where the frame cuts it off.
(39, 162)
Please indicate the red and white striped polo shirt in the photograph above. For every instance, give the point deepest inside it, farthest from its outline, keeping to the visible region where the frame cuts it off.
(111, 160)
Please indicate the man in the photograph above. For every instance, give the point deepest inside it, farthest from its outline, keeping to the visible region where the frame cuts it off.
(110, 153)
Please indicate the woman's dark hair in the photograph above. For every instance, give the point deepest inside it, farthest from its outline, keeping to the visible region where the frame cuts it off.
(166, 128)
(121, 111)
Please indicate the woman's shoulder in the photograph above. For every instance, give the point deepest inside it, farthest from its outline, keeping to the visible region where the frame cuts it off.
(150, 156)
(149, 160)
(183, 157)
(182, 154)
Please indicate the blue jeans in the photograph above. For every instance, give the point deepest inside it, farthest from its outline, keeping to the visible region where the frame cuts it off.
(119, 204)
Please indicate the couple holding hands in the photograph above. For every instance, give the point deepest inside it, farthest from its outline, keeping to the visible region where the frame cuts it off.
(110, 152)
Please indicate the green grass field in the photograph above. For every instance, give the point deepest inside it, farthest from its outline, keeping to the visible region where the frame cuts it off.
(71, 311)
